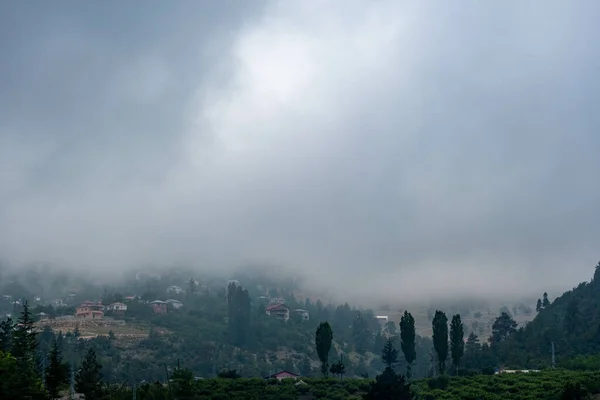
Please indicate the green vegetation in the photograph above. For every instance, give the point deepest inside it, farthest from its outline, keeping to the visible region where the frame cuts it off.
(222, 344)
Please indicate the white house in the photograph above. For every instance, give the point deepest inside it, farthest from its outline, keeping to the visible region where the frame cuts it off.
(176, 304)
(174, 289)
(117, 307)
(303, 314)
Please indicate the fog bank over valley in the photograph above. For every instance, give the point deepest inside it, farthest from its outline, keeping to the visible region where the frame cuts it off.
(381, 151)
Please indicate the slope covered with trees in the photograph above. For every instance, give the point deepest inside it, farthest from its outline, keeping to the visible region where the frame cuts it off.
(571, 322)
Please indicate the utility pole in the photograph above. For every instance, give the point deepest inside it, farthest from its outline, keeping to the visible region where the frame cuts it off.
(134, 391)
(553, 357)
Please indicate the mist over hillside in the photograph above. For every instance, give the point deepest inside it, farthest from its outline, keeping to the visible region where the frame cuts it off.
(383, 151)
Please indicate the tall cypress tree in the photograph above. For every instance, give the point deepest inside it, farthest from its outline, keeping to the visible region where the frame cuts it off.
(88, 380)
(407, 341)
(57, 373)
(457, 340)
(323, 339)
(440, 339)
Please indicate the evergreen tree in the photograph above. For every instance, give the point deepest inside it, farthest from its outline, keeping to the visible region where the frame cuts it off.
(338, 368)
(378, 343)
(323, 339)
(472, 349)
(6, 334)
(88, 380)
(503, 327)
(24, 337)
(388, 386)
(389, 354)
(457, 343)
(538, 306)
(57, 373)
(440, 339)
(545, 301)
(572, 317)
(361, 334)
(239, 311)
(407, 341)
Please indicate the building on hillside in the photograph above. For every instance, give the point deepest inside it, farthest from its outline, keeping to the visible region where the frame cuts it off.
(43, 316)
(279, 311)
(303, 314)
(283, 375)
(176, 304)
(117, 307)
(130, 298)
(89, 310)
(59, 303)
(159, 306)
(277, 300)
(382, 319)
(175, 290)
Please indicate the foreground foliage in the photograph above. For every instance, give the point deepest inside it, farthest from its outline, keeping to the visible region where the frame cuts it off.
(547, 385)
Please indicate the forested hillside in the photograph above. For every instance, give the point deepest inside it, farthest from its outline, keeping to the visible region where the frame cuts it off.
(571, 322)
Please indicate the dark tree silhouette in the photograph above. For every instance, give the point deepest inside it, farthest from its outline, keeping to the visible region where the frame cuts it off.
(457, 341)
(440, 339)
(407, 341)
(389, 354)
(323, 339)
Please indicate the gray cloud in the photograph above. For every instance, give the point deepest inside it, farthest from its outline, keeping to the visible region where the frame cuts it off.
(411, 147)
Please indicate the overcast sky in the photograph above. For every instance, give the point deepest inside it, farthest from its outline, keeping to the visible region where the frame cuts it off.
(411, 147)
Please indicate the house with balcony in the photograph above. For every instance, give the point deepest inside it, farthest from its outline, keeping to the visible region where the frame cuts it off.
(89, 310)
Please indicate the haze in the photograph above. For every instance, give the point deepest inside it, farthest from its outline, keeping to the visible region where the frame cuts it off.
(382, 148)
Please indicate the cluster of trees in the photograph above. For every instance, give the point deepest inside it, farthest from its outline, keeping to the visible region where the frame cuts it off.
(27, 374)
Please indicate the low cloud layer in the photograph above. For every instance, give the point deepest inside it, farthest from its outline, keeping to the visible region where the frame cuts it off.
(398, 148)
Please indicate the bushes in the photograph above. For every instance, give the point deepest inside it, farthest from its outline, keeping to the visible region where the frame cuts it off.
(526, 386)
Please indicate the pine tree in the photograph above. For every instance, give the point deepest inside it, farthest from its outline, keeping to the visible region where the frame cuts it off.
(389, 354)
(323, 339)
(407, 341)
(502, 328)
(457, 343)
(24, 337)
(361, 334)
(57, 373)
(538, 306)
(440, 339)
(88, 380)
(6, 334)
(545, 301)
(389, 385)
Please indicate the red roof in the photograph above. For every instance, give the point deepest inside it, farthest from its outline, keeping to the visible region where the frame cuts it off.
(273, 307)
